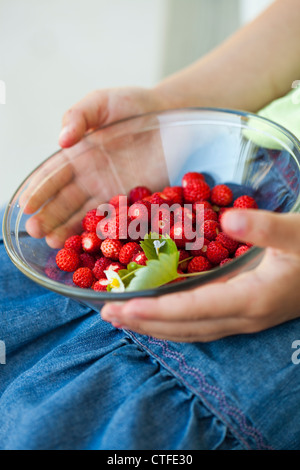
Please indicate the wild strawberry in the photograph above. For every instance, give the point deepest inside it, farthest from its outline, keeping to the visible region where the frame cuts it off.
(115, 227)
(221, 195)
(67, 260)
(87, 260)
(138, 193)
(210, 229)
(199, 264)
(116, 266)
(190, 177)
(83, 277)
(245, 202)
(225, 261)
(128, 251)
(111, 248)
(120, 200)
(91, 220)
(101, 285)
(101, 265)
(140, 210)
(181, 236)
(229, 243)
(241, 250)
(90, 242)
(205, 204)
(216, 252)
(74, 243)
(209, 214)
(162, 220)
(140, 258)
(160, 198)
(195, 191)
(175, 194)
(184, 215)
(202, 251)
(183, 255)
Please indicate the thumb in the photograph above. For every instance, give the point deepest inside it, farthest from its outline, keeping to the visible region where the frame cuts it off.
(264, 228)
(87, 114)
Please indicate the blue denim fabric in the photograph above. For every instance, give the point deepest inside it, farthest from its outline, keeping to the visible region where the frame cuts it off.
(72, 381)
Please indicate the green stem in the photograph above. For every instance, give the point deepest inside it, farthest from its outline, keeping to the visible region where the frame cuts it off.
(186, 259)
(193, 274)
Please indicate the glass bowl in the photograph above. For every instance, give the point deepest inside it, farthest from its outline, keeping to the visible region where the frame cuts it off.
(254, 155)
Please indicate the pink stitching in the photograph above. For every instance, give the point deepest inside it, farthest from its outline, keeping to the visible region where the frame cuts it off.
(212, 390)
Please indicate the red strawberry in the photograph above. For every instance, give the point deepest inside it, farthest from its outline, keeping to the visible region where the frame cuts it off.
(229, 243)
(119, 201)
(140, 258)
(67, 260)
(101, 285)
(225, 261)
(160, 198)
(128, 251)
(184, 215)
(91, 220)
(199, 264)
(116, 266)
(245, 202)
(140, 210)
(216, 252)
(74, 243)
(221, 195)
(101, 265)
(241, 250)
(83, 277)
(202, 251)
(115, 228)
(90, 242)
(210, 229)
(196, 190)
(182, 256)
(174, 193)
(87, 261)
(138, 193)
(181, 236)
(190, 177)
(205, 204)
(162, 220)
(111, 248)
(209, 214)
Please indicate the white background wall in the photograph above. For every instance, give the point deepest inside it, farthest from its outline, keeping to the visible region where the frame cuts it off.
(53, 53)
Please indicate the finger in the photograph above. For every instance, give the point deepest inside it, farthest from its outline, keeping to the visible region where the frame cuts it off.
(206, 330)
(87, 114)
(263, 228)
(217, 300)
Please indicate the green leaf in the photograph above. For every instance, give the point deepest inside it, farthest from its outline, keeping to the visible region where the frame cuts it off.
(127, 274)
(148, 246)
(157, 272)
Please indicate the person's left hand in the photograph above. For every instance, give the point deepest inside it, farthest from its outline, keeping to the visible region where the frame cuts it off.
(250, 302)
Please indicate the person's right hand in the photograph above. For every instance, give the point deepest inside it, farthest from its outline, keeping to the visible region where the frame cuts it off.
(82, 176)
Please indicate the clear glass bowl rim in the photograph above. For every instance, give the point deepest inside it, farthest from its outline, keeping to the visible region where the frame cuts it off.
(91, 296)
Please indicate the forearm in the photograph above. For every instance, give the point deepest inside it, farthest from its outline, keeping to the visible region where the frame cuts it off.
(253, 67)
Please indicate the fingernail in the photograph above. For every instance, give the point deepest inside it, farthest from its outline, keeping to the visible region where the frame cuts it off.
(64, 132)
(236, 221)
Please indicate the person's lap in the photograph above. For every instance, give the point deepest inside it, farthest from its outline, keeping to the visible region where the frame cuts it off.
(72, 381)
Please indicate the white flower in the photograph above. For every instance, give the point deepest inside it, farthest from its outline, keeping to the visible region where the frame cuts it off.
(115, 281)
(157, 245)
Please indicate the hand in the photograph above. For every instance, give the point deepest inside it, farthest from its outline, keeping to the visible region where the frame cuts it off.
(250, 302)
(65, 187)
